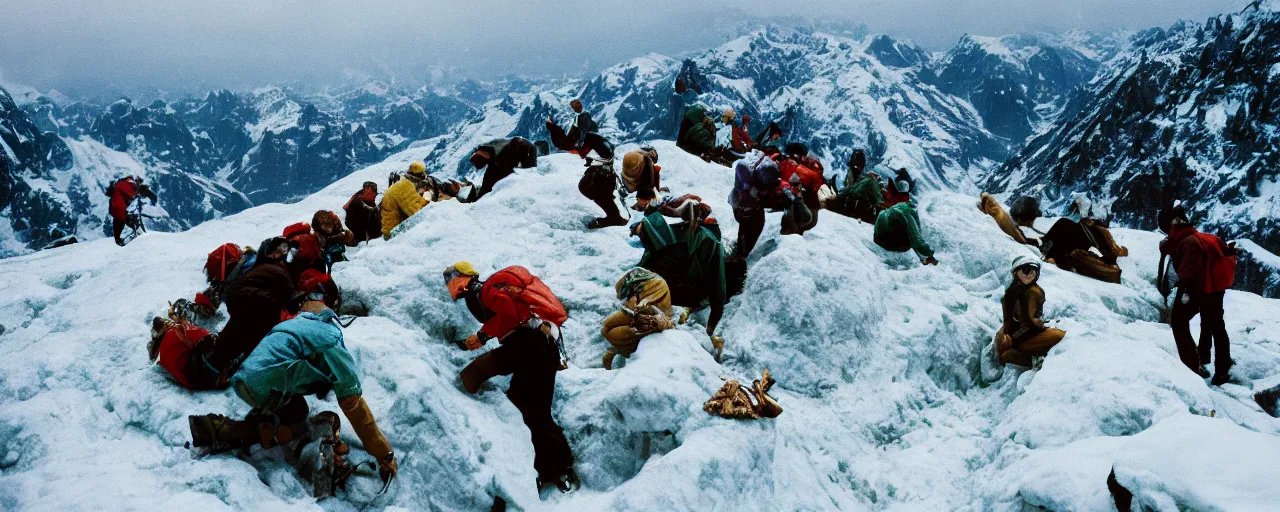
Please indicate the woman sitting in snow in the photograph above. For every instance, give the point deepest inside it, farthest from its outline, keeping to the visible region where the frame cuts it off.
(1024, 335)
(646, 309)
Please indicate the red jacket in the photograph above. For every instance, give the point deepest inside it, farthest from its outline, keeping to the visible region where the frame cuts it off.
(809, 172)
(122, 193)
(1204, 263)
(741, 139)
(514, 296)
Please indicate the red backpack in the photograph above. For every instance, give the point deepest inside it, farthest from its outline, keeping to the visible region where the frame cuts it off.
(221, 262)
(531, 293)
(175, 350)
(1220, 263)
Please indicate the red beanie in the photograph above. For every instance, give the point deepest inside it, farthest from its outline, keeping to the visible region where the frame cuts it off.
(300, 228)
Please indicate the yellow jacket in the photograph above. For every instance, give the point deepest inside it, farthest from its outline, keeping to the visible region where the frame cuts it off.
(401, 201)
(654, 293)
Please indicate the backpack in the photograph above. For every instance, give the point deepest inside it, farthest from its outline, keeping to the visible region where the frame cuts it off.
(175, 350)
(221, 262)
(1220, 263)
(534, 295)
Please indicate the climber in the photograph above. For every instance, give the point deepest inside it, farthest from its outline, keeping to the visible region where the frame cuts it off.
(990, 206)
(690, 258)
(757, 186)
(122, 193)
(519, 310)
(600, 183)
(770, 138)
(740, 140)
(1023, 335)
(256, 302)
(862, 196)
(697, 134)
(1068, 242)
(893, 193)
(898, 226)
(404, 198)
(802, 175)
(646, 309)
(499, 158)
(642, 175)
(1206, 268)
(302, 356)
(363, 216)
(575, 140)
(305, 250)
(681, 99)
(332, 237)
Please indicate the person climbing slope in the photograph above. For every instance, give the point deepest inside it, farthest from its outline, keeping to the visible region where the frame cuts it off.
(303, 356)
(898, 226)
(1023, 334)
(222, 267)
(1206, 268)
(862, 197)
(642, 175)
(756, 187)
(646, 309)
(403, 199)
(364, 217)
(122, 193)
(332, 237)
(519, 310)
(500, 158)
(599, 183)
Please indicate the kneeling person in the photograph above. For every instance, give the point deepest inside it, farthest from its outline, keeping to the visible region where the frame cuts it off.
(1023, 334)
(646, 309)
(302, 356)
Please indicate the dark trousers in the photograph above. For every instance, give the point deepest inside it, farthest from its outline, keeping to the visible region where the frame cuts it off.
(292, 414)
(1213, 330)
(750, 225)
(600, 186)
(492, 176)
(532, 362)
(251, 320)
(117, 227)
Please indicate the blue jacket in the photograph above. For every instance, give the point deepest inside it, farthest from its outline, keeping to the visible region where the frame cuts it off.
(301, 356)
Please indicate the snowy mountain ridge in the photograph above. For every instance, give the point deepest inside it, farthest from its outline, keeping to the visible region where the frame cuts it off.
(876, 357)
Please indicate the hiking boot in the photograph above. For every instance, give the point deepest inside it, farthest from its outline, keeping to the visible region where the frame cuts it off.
(159, 327)
(1203, 371)
(608, 358)
(605, 222)
(218, 433)
(1220, 378)
(565, 482)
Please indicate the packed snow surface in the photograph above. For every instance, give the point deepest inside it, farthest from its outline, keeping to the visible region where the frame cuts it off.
(876, 359)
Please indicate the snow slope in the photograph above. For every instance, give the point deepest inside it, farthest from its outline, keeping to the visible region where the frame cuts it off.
(876, 357)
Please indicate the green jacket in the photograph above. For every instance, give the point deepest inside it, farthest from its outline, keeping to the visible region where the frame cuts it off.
(898, 229)
(699, 251)
(699, 135)
(867, 189)
(301, 356)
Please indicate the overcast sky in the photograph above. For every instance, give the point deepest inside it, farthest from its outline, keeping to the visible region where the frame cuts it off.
(195, 44)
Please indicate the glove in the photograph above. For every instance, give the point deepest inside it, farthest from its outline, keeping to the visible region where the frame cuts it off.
(474, 342)
(387, 467)
(930, 261)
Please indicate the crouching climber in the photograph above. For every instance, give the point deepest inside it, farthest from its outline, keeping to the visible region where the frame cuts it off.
(222, 267)
(1068, 242)
(898, 226)
(646, 309)
(599, 183)
(402, 199)
(332, 238)
(499, 158)
(641, 175)
(1206, 268)
(1023, 335)
(862, 196)
(302, 356)
(518, 309)
(363, 215)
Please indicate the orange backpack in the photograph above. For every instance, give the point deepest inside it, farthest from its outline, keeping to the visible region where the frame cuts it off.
(533, 294)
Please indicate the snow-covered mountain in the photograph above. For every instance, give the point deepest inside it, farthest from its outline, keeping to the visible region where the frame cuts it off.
(876, 358)
(1188, 113)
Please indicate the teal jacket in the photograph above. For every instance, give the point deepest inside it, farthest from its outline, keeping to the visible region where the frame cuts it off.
(898, 229)
(301, 356)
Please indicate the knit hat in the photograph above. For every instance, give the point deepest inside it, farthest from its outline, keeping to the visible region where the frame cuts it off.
(418, 169)
(300, 228)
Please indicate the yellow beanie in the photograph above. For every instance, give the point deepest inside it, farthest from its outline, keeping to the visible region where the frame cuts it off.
(728, 116)
(462, 268)
(418, 168)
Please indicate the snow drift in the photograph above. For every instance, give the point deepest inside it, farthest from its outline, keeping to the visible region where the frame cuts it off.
(876, 358)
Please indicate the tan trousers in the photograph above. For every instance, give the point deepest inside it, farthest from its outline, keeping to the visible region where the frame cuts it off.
(1036, 346)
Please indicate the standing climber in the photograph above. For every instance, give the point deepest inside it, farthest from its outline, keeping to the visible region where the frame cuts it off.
(1023, 335)
(898, 226)
(642, 175)
(302, 356)
(363, 215)
(862, 196)
(1206, 268)
(519, 310)
(122, 194)
(756, 187)
(683, 97)
(500, 158)
(403, 199)
(646, 309)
